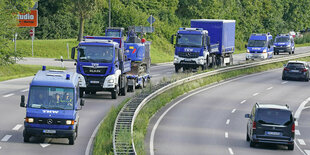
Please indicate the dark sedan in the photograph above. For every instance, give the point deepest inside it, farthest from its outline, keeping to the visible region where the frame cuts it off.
(298, 70)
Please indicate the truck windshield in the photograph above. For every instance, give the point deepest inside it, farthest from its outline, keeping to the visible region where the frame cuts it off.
(113, 34)
(103, 54)
(257, 43)
(188, 40)
(51, 98)
(282, 39)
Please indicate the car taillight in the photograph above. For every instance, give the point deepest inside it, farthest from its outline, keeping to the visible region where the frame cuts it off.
(254, 125)
(304, 70)
(293, 127)
(286, 69)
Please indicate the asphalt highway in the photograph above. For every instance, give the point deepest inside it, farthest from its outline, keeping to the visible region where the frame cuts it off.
(211, 120)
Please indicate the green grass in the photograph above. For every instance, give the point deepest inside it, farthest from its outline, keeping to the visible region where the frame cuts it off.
(104, 139)
(8, 72)
(302, 45)
(142, 120)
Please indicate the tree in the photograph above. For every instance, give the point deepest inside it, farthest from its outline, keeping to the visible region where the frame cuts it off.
(85, 9)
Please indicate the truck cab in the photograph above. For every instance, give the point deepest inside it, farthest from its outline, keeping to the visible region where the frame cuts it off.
(191, 48)
(101, 65)
(284, 43)
(114, 32)
(260, 46)
(53, 105)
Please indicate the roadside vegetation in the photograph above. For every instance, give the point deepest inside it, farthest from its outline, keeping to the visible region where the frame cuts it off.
(147, 112)
(14, 71)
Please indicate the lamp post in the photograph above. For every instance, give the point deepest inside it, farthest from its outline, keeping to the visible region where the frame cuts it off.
(109, 13)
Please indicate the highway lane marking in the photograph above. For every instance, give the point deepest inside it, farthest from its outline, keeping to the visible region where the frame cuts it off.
(226, 134)
(233, 111)
(230, 151)
(17, 127)
(8, 95)
(44, 145)
(25, 90)
(297, 132)
(227, 122)
(307, 152)
(301, 142)
(156, 75)
(0, 147)
(296, 123)
(172, 106)
(300, 108)
(284, 82)
(6, 138)
(269, 88)
(242, 101)
(255, 94)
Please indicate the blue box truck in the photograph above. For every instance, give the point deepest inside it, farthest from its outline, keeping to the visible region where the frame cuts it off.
(209, 42)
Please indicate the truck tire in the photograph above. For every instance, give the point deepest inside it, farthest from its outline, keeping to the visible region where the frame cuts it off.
(124, 89)
(231, 59)
(114, 92)
(81, 92)
(177, 68)
(72, 139)
(26, 138)
(213, 63)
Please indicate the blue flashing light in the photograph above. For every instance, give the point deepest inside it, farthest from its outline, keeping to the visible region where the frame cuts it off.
(43, 68)
(68, 76)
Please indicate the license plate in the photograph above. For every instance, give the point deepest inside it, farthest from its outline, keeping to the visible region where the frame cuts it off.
(281, 50)
(94, 82)
(295, 71)
(273, 133)
(49, 131)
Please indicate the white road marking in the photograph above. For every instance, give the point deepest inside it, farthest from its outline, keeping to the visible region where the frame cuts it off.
(300, 108)
(44, 145)
(233, 111)
(17, 127)
(6, 138)
(156, 75)
(8, 95)
(242, 101)
(297, 132)
(230, 151)
(301, 142)
(25, 90)
(284, 82)
(296, 123)
(269, 88)
(226, 134)
(0, 147)
(255, 94)
(227, 122)
(307, 152)
(172, 106)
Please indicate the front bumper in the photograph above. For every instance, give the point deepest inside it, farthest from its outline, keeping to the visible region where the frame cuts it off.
(189, 62)
(39, 133)
(282, 49)
(256, 55)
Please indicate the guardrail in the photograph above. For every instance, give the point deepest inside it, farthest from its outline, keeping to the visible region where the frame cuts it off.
(136, 105)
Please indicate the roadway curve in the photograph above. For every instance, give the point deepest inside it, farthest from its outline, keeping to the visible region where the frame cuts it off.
(211, 120)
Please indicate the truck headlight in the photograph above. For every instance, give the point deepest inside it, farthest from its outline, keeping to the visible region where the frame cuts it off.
(176, 59)
(264, 51)
(111, 81)
(200, 61)
(288, 45)
(247, 50)
(70, 122)
(29, 120)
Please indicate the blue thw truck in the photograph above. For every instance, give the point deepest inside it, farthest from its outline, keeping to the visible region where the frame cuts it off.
(53, 105)
(102, 65)
(138, 51)
(209, 42)
(260, 46)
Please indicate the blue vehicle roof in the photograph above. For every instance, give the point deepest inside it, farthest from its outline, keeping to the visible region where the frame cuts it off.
(190, 31)
(55, 78)
(258, 37)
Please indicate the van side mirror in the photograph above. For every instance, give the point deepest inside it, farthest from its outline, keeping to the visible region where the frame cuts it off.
(284, 65)
(294, 119)
(82, 103)
(22, 101)
(246, 46)
(247, 115)
(268, 46)
(172, 39)
(73, 53)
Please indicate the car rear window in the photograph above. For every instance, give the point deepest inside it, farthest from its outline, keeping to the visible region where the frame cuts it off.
(295, 65)
(274, 117)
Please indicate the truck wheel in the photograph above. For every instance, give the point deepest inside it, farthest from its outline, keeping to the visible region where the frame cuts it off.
(177, 68)
(213, 61)
(81, 92)
(114, 92)
(290, 147)
(26, 138)
(72, 139)
(124, 89)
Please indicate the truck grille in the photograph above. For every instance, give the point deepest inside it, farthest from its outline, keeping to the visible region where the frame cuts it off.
(189, 54)
(89, 70)
(50, 121)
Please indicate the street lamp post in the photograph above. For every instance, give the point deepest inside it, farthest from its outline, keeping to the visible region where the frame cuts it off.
(109, 13)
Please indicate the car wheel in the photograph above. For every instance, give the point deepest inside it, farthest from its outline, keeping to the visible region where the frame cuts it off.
(307, 79)
(283, 78)
(247, 137)
(26, 138)
(290, 147)
(252, 144)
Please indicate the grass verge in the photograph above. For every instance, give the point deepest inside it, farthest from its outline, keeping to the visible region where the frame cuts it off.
(142, 120)
(104, 139)
(14, 71)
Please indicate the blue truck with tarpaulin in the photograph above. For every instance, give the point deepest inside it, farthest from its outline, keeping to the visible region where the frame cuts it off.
(209, 42)
(138, 51)
(102, 65)
(260, 46)
(53, 105)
